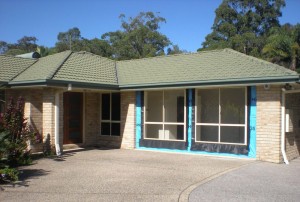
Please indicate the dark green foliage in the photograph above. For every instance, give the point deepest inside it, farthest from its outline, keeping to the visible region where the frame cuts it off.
(283, 46)
(243, 25)
(8, 175)
(14, 135)
(26, 44)
(138, 38)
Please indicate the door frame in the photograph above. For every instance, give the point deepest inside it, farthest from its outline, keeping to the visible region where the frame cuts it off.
(66, 107)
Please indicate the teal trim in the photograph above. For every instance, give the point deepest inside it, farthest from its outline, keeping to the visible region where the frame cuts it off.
(190, 125)
(252, 123)
(194, 152)
(138, 118)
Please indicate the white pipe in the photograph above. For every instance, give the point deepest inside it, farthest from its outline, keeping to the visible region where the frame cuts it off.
(57, 146)
(283, 127)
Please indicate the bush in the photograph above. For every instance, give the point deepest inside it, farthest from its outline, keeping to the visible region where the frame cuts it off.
(8, 175)
(15, 134)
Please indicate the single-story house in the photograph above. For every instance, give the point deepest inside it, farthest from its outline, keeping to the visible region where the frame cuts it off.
(218, 102)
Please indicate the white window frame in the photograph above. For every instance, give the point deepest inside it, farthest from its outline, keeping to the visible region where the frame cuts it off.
(163, 122)
(245, 125)
(110, 115)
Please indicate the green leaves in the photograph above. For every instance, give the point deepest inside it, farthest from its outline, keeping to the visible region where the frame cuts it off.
(138, 38)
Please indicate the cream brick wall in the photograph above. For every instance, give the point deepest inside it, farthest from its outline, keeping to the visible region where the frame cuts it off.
(32, 110)
(268, 124)
(128, 120)
(292, 141)
(92, 118)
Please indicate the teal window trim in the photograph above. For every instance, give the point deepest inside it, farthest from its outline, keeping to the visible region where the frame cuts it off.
(190, 114)
(252, 123)
(138, 118)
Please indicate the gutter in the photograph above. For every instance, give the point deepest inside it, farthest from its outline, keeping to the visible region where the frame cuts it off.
(283, 127)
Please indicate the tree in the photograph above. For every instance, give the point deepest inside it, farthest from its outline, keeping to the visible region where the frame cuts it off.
(24, 45)
(175, 50)
(138, 38)
(283, 46)
(67, 39)
(243, 24)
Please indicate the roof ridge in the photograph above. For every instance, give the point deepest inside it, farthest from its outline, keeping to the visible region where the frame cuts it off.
(52, 74)
(173, 55)
(19, 73)
(93, 54)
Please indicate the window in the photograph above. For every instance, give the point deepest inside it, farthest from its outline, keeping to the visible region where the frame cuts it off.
(110, 114)
(221, 115)
(2, 101)
(164, 116)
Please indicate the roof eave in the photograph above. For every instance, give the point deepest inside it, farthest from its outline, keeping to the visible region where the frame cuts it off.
(63, 83)
(290, 79)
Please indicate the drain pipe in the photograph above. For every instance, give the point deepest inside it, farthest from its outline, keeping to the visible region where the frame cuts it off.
(57, 146)
(283, 127)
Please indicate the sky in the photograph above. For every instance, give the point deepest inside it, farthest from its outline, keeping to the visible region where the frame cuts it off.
(188, 21)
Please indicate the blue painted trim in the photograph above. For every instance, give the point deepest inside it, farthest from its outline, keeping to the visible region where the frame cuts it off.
(195, 152)
(138, 119)
(190, 125)
(252, 123)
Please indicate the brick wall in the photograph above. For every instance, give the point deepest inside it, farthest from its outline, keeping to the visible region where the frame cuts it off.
(268, 124)
(92, 118)
(128, 120)
(292, 141)
(33, 110)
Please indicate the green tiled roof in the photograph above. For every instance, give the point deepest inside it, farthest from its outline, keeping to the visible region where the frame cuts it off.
(11, 66)
(43, 69)
(203, 68)
(82, 69)
(89, 68)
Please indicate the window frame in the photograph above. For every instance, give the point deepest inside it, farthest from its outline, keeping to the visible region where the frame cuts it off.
(163, 122)
(110, 121)
(245, 125)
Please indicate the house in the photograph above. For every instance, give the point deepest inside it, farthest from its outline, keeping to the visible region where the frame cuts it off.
(219, 102)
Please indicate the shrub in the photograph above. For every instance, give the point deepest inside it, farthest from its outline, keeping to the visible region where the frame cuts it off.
(15, 134)
(8, 175)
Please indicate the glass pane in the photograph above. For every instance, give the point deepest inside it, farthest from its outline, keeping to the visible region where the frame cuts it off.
(105, 107)
(115, 107)
(74, 135)
(233, 106)
(174, 106)
(232, 134)
(105, 128)
(208, 106)
(154, 131)
(154, 106)
(174, 132)
(207, 133)
(115, 129)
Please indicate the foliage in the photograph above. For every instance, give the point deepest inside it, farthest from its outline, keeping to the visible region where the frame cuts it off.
(15, 134)
(8, 175)
(283, 46)
(24, 45)
(138, 38)
(243, 24)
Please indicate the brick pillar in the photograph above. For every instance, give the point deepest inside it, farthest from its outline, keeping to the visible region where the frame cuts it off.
(128, 120)
(48, 115)
(269, 124)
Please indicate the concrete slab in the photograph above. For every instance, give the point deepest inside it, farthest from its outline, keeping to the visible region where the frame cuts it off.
(116, 175)
(260, 181)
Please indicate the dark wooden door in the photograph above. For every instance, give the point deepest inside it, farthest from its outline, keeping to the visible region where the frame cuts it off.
(73, 107)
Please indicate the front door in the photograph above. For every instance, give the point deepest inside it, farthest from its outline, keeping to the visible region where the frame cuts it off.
(73, 107)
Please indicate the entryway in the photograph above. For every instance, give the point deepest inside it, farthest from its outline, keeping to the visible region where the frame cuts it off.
(73, 113)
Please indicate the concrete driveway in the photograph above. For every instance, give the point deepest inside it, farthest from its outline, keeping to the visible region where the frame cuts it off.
(116, 175)
(260, 181)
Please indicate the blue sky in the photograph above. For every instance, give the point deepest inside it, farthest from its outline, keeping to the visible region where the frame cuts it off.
(188, 21)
